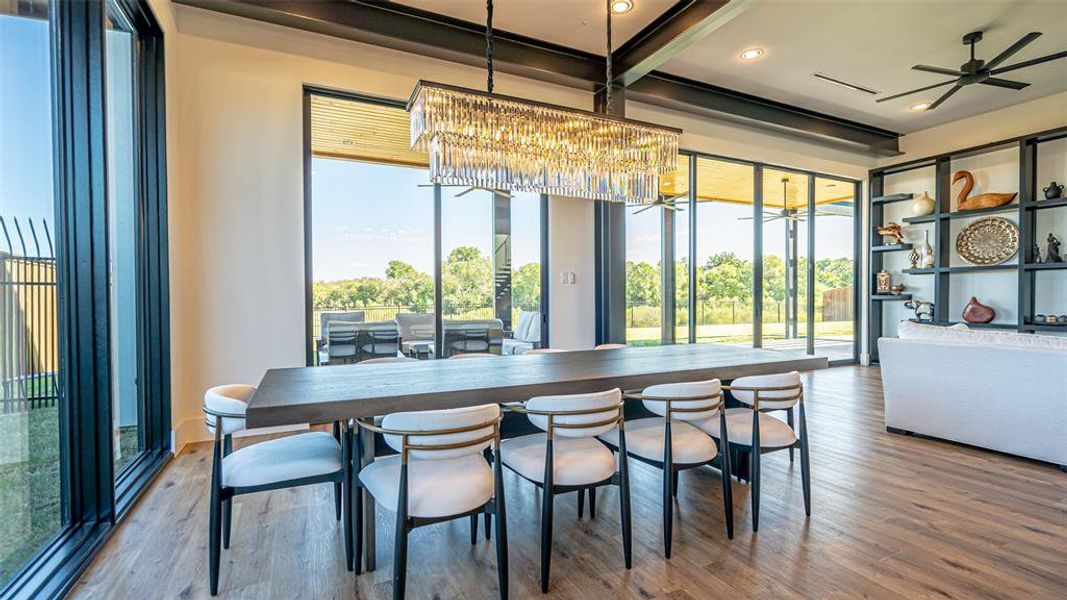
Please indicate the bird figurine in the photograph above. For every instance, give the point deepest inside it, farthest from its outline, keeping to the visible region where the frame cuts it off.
(987, 200)
(892, 232)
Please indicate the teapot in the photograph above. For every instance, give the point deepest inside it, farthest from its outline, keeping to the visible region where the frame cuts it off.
(1053, 191)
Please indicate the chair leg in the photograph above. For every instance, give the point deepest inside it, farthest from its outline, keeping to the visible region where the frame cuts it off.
(668, 510)
(227, 505)
(357, 505)
(474, 529)
(546, 536)
(592, 503)
(805, 465)
(214, 525)
(789, 419)
(488, 517)
(501, 531)
(400, 542)
(727, 480)
(346, 489)
(581, 503)
(337, 501)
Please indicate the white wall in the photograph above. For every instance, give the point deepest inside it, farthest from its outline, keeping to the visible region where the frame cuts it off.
(236, 193)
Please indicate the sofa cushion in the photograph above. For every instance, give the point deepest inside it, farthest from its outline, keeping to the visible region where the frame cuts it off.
(921, 331)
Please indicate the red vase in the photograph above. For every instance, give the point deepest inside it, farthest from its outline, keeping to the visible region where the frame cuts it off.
(976, 312)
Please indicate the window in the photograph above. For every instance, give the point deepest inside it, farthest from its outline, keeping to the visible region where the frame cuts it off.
(84, 337)
(644, 285)
(376, 230)
(835, 269)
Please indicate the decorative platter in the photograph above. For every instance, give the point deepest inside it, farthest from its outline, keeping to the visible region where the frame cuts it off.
(988, 241)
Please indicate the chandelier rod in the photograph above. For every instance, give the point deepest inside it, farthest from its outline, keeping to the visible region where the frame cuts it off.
(609, 109)
(489, 44)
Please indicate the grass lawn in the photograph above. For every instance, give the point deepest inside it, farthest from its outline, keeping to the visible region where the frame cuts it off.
(30, 505)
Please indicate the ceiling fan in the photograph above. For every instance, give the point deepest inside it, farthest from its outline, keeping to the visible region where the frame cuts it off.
(469, 189)
(979, 71)
(668, 202)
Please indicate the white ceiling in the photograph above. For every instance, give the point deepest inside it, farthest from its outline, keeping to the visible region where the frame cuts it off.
(573, 23)
(872, 43)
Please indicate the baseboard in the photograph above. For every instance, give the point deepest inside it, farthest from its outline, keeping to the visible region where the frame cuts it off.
(194, 430)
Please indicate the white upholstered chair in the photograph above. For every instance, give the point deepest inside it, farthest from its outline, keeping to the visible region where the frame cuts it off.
(440, 474)
(568, 457)
(676, 406)
(610, 347)
(545, 351)
(755, 432)
(475, 355)
(302, 459)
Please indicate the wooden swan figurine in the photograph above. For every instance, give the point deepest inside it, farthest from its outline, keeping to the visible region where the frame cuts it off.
(987, 200)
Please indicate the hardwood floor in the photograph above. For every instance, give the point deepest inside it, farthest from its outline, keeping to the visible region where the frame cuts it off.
(892, 517)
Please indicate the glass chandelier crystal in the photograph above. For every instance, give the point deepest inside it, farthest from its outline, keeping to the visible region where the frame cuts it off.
(483, 140)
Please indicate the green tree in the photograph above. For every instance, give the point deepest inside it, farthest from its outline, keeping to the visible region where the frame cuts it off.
(725, 276)
(774, 277)
(526, 287)
(833, 273)
(642, 284)
(467, 280)
(407, 287)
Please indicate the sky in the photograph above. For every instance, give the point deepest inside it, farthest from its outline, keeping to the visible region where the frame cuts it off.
(26, 185)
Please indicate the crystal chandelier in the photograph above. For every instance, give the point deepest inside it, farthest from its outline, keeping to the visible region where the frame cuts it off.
(486, 140)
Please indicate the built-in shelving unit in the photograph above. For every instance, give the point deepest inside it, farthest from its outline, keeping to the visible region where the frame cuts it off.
(1018, 288)
(890, 297)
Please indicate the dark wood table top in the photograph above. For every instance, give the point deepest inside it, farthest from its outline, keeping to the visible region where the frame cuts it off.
(322, 394)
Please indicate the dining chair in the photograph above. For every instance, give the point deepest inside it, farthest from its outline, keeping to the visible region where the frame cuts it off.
(610, 347)
(387, 360)
(292, 461)
(669, 442)
(568, 457)
(440, 474)
(755, 432)
(545, 351)
(475, 355)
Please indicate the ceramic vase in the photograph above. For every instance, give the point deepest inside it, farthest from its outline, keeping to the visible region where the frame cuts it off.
(976, 312)
(922, 206)
(927, 251)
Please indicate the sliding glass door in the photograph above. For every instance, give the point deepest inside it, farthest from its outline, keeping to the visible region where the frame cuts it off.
(400, 267)
(796, 229)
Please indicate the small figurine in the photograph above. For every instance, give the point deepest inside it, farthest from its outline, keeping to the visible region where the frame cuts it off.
(928, 251)
(988, 200)
(1052, 255)
(1035, 255)
(883, 283)
(893, 233)
(924, 311)
(914, 257)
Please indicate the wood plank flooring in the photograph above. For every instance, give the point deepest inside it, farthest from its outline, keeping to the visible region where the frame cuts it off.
(893, 517)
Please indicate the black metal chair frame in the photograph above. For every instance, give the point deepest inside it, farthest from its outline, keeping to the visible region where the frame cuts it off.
(755, 450)
(221, 504)
(371, 337)
(670, 476)
(620, 478)
(405, 523)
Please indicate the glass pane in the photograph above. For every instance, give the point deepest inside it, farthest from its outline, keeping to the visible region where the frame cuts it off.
(31, 507)
(644, 312)
(471, 324)
(785, 242)
(122, 217)
(835, 214)
(674, 189)
(525, 273)
(372, 261)
(724, 252)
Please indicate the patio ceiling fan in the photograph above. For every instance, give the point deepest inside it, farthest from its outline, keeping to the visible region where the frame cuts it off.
(979, 71)
(469, 189)
(668, 202)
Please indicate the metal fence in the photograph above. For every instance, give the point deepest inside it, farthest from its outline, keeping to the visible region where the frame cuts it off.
(29, 352)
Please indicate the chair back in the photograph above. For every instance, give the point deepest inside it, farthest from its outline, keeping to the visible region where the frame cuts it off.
(475, 355)
(388, 359)
(545, 351)
(610, 347)
(377, 339)
(776, 392)
(565, 415)
(223, 400)
(444, 434)
(691, 401)
(341, 340)
(334, 316)
(415, 326)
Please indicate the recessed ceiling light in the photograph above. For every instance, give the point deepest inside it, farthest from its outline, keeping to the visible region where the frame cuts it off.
(919, 107)
(621, 6)
(751, 53)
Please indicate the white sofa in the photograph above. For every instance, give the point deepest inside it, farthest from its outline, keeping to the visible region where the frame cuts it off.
(996, 390)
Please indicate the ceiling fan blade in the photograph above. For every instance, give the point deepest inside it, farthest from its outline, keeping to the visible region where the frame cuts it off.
(944, 97)
(643, 209)
(1005, 83)
(1029, 63)
(938, 70)
(464, 192)
(1012, 49)
(922, 89)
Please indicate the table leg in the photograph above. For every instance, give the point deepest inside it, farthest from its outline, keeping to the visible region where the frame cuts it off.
(368, 506)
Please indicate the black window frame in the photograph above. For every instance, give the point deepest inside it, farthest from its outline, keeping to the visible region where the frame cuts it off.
(309, 309)
(94, 498)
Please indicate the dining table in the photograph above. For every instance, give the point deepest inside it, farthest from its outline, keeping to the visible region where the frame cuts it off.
(300, 395)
